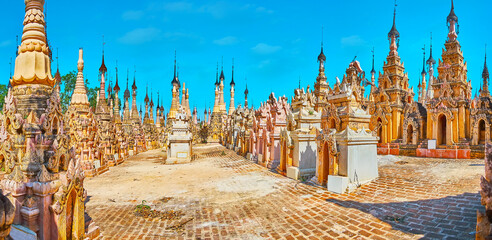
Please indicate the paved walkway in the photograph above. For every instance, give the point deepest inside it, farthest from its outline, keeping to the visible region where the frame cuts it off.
(223, 196)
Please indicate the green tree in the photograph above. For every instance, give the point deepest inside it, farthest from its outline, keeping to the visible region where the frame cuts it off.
(92, 95)
(3, 92)
(68, 85)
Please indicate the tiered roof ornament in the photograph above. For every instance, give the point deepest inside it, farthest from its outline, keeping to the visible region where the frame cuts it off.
(453, 26)
(393, 33)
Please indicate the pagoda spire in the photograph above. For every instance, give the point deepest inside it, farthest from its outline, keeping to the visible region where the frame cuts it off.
(394, 35)
(116, 110)
(232, 75)
(175, 81)
(33, 63)
(79, 96)
(321, 56)
(423, 62)
(231, 103)
(485, 74)
(394, 32)
(452, 22)
(102, 71)
(116, 86)
(372, 70)
(57, 74)
(246, 96)
(217, 75)
(222, 70)
(431, 60)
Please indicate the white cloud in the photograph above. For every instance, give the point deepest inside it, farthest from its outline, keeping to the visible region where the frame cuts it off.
(132, 15)
(141, 35)
(354, 40)
(263, 48)
(263, 10)
(229, 40)
(5, 43)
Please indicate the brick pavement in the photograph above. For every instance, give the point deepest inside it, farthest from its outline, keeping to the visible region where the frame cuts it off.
(403, 203)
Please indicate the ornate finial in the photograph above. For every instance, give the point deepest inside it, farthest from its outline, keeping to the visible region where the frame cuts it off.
(299, 82)
(17, 43)
(134, 86)
(321, 56)
(57, 63)
(373, 71)
(10, 66)
(217, 75)
(175, 81)
(452, 16)
(246, 91)
(322, 28)
(393, 32)
(485, 73)
(103, 68)
(423, 62)
(431, 60)
(222, 70)
(232, 75)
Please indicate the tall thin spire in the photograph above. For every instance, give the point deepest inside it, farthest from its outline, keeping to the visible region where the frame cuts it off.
(393, 32)
(222, 70)
(431, 60)
(217, 75)
(175, 81)
(232, 75)
(322, 28)
(423, 61)
(321, 56)
(134, 85)
(485, 73)
(17, 45)
(373, 71)
(10, 67)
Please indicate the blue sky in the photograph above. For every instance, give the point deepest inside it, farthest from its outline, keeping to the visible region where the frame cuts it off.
(273, 43)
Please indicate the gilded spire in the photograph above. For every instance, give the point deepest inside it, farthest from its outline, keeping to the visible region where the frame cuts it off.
(246, 91)
(33, 64)
(79, 95)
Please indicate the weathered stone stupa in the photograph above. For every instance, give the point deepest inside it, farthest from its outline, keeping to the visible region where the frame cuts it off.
(44, 178)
